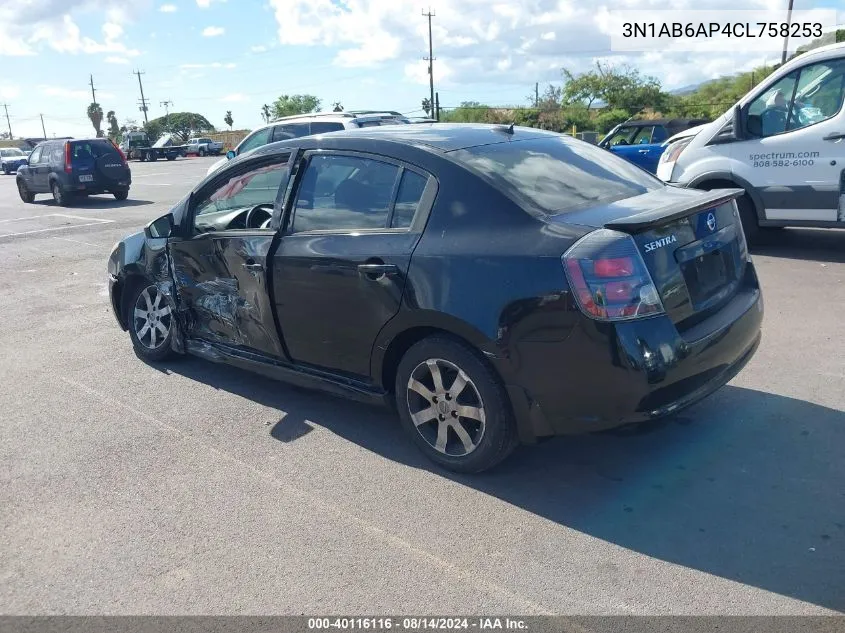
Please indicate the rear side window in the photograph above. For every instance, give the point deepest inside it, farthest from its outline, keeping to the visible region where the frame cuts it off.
(556, 175)
(35, 157)
(659, 134)
(408, 199)
(289, 131)
(58, 154)
(321, 127)
(344, 193)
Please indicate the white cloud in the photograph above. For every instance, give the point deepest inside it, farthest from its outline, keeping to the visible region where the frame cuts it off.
(204, 4)
(213, 31)
(258, 49)
(235, 97)
(9, 91)
(228, 65)
(112, 59)
(168, 8)
(479, 41)
(73, 93)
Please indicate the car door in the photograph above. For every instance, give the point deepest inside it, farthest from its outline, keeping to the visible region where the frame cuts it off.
(220, 259)
(637, 148)
(40, 169)
(794, 150)
(340, 268)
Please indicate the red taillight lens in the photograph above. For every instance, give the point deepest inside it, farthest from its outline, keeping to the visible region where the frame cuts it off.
(68, 167)
(118, 150)
(609, 279)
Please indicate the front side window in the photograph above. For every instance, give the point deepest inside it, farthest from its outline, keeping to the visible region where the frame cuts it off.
(344, 193)
(557, 174)
(259, 138)
(622, 136)
(802, 98)
(643, 135)
(227, 204)
(35, 157)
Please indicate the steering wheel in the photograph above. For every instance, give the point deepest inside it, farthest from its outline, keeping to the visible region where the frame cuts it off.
(250, 220)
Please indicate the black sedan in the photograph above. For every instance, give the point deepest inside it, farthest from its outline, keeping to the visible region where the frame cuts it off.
(497, 284)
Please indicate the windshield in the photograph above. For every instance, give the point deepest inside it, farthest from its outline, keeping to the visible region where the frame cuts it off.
(10, 152)
(554, 175)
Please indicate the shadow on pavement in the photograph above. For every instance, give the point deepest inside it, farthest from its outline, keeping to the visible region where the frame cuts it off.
(821, 245)
(747, 485)
(95, 202)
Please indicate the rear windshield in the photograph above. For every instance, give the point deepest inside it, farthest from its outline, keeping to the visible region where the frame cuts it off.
(90, 149)
(554, 175)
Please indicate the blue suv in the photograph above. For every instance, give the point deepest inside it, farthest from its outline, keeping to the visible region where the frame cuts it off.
(642, 142)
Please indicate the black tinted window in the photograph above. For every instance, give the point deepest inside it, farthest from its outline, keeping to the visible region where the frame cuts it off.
(408, 199)
(90, 149)
(290, 130)
(558, 174)
(321, 127)
(344, 192)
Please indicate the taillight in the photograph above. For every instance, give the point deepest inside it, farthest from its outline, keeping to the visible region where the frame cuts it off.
(118, 150)
(68, 167)
(609, 279)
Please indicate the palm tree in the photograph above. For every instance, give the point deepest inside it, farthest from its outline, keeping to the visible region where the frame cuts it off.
(95, 113)
(265, 113)
(228, 120)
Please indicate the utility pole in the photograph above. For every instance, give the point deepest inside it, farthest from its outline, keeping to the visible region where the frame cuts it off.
(537, 94)
(43, 129)
(786, 39)
(430, 58)
(93, 93)
(143, 108)
(437, 106)
(6, 108)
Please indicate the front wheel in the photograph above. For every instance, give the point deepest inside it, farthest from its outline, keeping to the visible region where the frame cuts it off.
(171, 157)
(453, 406)
(151, 323)
(120, 195)
(25, 194)
(201, 152)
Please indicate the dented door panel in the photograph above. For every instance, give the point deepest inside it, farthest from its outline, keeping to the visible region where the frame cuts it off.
(223, 292)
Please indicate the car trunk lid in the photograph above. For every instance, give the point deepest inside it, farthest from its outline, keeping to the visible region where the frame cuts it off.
(690, 241)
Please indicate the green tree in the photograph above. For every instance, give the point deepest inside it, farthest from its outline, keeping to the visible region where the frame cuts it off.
(473, 112)
(181, 125)
(114, 128)
(619, 87)
(228, 120)
(265, 113)
(289, 105)
(95, 115)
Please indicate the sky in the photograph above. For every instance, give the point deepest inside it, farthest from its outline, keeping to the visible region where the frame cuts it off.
(210, 56)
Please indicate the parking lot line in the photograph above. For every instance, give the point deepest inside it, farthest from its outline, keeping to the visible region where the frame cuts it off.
(67, 239)
(91, 222)
(77, 217)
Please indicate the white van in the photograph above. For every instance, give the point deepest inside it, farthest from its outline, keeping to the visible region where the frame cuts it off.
(784, 143)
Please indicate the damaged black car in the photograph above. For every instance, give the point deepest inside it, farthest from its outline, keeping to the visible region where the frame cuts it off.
(495, 284)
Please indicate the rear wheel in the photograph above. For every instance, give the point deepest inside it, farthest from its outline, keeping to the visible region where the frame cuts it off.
(202, 151)
(6, 170)
(61, 197)
(171, 157)
(25, 194)
(152, 157)
(120, 195)
(151, 322)
(452, 405)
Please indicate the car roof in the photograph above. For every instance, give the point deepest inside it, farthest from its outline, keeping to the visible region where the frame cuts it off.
(444, 137)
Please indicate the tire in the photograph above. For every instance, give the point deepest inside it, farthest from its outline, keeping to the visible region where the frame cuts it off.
(487, 436)
(151, 333)
(6, 171)
(152, 157)
(25, 194)
(61, 197)
(202, 151)
(120, 195)
(143, 157)
(171, 157)
(748, 217)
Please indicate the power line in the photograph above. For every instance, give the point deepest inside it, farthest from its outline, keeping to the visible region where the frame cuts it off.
(143, 101)
(430, 59)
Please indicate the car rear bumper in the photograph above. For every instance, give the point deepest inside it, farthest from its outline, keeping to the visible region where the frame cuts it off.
(616, 374)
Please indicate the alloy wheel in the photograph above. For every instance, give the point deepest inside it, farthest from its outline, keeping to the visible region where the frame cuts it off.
(152, 318)
(450, 419)
(58, 195)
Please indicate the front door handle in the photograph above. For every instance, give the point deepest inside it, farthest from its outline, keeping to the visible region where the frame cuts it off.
(643, 151)
(253, 265)
(834, 136)
(376, 271)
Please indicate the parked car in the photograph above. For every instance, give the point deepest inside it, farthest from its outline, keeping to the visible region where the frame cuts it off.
(10, 159)
(307, 124)
(494, 283)
(203, 147)
(643, 142)
(70, 169)
(783, 144)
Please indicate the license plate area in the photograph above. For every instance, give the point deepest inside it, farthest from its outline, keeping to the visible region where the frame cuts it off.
(86, 178)
(708, 275)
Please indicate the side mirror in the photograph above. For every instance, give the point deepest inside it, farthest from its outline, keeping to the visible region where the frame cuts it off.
(160, 227)
(736, 120)
(230, 154)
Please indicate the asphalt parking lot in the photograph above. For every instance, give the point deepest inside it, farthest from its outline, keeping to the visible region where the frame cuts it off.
(194, 488)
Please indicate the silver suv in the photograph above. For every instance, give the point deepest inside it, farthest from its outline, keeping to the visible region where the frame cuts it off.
(307, 124)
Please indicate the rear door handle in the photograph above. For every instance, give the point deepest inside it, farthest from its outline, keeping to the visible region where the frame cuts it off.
(834, 136)
(374, 271)
(253, 265)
